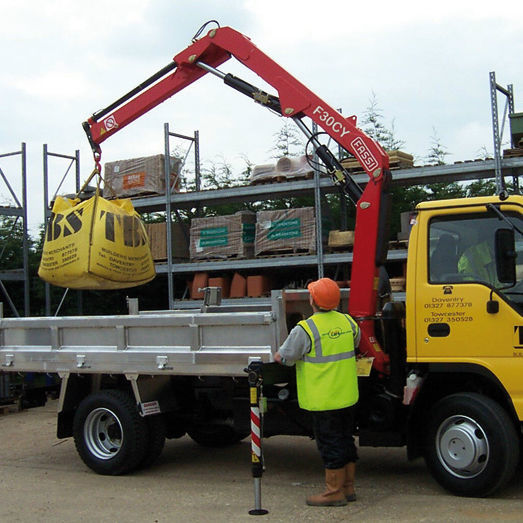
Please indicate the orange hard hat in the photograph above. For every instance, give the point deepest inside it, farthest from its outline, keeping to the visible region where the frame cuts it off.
(325, 293)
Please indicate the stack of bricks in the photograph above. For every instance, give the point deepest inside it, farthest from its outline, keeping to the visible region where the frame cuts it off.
(285, 231)
(144, 175)
(157, 234)
(223, 236)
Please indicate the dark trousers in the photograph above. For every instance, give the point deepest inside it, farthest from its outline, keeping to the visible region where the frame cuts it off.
(333, 433)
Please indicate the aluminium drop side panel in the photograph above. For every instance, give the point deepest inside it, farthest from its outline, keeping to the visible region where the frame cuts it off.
(175, 343)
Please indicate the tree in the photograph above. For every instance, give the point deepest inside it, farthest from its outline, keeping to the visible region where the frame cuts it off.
(288, 141)
(437, 151)
(372, 124)
(11, 258)
(481, 188)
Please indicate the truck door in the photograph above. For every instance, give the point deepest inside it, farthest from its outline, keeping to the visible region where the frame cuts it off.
(456, 278)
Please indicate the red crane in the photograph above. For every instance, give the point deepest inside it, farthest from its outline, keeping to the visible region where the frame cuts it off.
(294, 101)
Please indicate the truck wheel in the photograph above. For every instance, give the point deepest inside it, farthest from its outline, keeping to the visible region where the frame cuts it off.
(216, 435)
(156, 429)
(472, 448)
(109, 434)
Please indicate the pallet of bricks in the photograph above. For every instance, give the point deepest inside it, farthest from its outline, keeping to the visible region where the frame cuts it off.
(243, 235)
(157, 234)
(222, 237)
(140, 176)
(285, 231)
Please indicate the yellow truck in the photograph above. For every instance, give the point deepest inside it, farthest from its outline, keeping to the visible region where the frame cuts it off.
(445, 365)
(464, 339)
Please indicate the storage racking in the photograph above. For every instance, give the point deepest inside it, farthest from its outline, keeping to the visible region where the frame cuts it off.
(462, 171)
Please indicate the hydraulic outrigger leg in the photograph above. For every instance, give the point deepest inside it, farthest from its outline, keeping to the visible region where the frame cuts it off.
(255, 383)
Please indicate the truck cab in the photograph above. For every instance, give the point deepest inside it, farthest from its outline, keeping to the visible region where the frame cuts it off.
(463, 320)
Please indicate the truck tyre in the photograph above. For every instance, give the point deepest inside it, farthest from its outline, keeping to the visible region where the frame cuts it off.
(156, 429)
(109, 434)
(218, 435)
(472, 447)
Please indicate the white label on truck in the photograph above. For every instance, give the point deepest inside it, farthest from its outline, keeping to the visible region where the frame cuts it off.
(150, 407)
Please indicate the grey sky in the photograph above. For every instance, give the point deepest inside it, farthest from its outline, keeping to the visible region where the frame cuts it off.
(428, 65)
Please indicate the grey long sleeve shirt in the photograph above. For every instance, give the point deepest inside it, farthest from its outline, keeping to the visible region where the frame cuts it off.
(298, 344)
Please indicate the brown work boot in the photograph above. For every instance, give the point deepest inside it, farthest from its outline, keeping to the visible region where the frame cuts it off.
(348, 486)
(333, 495)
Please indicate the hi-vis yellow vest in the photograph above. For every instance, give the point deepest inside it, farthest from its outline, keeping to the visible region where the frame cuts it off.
(326, 377)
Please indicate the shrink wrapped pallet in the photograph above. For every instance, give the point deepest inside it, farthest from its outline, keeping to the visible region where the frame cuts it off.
(95, 244)
(157, 234)
(285, 230)
(229, 236)
(145, 175)
(294, 167)
(263, 172)
(286, 168)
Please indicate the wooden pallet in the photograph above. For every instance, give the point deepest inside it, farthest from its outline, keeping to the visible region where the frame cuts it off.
(513, 153)
(280, 179)
(284, 252)
(218, 258)
(393, 166)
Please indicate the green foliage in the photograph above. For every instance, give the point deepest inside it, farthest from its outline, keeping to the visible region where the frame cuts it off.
(11, 235)
(11, 259)
(481, 188)
(445, 191)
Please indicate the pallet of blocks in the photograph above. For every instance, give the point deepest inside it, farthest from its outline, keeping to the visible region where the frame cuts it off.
(222, 237)
(157, 234)
(140, 176)
(283, 231)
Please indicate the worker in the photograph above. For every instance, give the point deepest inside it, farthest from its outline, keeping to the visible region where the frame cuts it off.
(477, 264)
(323, 350)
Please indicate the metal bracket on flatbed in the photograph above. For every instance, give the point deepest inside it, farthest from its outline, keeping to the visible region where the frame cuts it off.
(8, 360)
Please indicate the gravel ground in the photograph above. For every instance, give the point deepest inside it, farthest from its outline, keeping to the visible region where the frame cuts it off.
(43, 479)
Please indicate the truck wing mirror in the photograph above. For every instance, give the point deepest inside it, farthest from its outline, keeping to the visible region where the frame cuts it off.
(506, 256)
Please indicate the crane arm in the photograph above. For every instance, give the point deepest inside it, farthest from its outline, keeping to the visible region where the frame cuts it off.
(294, 101)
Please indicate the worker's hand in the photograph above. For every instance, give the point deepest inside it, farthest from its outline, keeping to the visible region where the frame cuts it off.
(277, 357)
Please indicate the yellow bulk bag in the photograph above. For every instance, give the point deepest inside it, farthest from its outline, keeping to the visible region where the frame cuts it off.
(95, 244)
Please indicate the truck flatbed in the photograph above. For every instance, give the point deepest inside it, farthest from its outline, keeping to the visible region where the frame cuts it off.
(208, 341)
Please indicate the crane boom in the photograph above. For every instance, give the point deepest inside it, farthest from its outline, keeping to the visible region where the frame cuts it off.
(294, 101)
